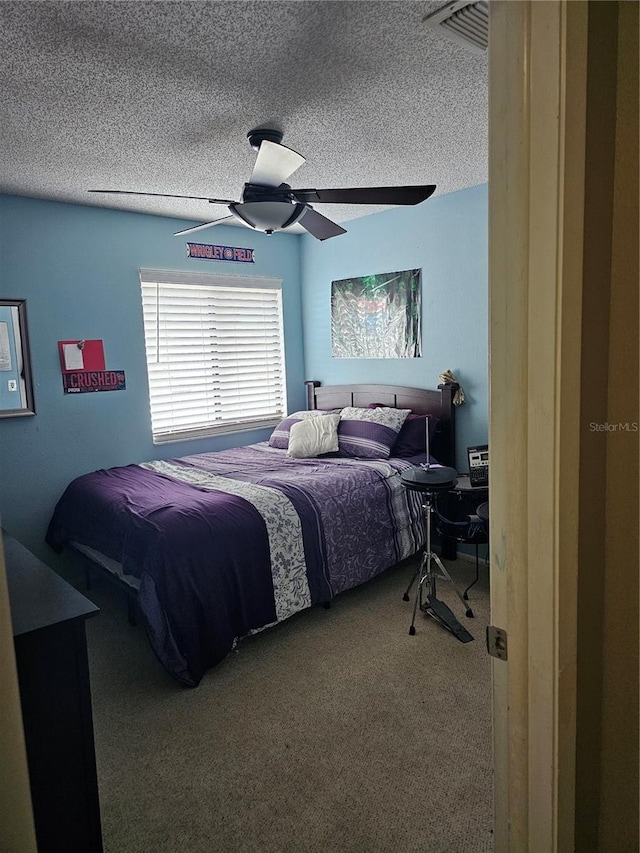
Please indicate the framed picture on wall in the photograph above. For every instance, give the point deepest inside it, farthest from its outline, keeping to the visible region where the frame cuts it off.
(377, 316)
(16, 389)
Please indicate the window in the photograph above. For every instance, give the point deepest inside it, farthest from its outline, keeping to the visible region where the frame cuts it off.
(215, 353)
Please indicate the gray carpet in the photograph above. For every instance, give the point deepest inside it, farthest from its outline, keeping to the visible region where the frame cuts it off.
(334, 731)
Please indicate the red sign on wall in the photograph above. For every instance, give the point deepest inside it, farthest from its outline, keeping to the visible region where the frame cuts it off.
(83, 381)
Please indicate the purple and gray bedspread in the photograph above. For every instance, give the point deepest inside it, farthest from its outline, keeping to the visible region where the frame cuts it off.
(227, 543)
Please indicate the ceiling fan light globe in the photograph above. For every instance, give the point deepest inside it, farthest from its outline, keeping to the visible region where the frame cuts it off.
(268, 216)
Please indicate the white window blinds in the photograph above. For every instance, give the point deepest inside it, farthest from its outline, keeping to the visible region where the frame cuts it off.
(215, 353)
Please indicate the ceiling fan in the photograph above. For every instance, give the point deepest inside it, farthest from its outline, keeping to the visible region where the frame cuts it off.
(269, 204)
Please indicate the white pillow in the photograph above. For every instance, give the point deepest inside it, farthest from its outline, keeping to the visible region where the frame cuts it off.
(313, 436)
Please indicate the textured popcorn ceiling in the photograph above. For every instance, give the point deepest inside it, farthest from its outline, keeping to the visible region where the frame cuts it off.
(159, 96)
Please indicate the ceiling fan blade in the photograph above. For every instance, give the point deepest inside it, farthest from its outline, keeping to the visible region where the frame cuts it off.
(318, 225)
(200, 227)
(367, 195)
(167, 195)
(274, 164)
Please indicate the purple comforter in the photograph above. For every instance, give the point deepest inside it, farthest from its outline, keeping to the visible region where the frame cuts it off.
(227, 543)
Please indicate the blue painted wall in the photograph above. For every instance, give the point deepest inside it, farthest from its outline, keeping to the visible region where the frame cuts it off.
(447, 238)
(77, 267)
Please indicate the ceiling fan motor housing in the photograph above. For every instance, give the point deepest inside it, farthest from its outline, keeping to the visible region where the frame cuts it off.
(257, 137)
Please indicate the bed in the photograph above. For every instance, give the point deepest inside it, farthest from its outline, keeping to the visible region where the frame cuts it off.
(216, 546)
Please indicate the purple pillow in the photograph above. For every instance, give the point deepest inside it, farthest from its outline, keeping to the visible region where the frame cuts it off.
(369, 433)
(412, 438)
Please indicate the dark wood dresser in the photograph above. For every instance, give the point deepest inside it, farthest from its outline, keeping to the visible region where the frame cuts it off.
(48, 617)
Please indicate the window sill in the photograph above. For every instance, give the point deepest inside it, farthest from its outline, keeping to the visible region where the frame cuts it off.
(211, 432)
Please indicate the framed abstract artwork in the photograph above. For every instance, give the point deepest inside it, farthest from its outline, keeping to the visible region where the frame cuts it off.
(377, 316)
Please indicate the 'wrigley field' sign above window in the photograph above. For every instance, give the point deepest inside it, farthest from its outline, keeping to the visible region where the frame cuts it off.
(220, 253)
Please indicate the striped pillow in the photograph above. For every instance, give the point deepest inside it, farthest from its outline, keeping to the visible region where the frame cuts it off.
(369, 433)
(280, 436)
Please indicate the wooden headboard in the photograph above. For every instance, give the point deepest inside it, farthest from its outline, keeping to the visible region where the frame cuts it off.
(438, 403)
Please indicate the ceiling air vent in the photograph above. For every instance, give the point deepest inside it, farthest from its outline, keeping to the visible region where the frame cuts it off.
(464, 21)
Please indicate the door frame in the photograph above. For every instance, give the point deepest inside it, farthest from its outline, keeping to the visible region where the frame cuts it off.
(537, 110)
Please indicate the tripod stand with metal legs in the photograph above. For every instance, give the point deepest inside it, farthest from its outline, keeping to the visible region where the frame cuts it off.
(428, 573)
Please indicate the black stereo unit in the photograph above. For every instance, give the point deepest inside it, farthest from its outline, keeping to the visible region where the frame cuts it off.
(479, 465)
